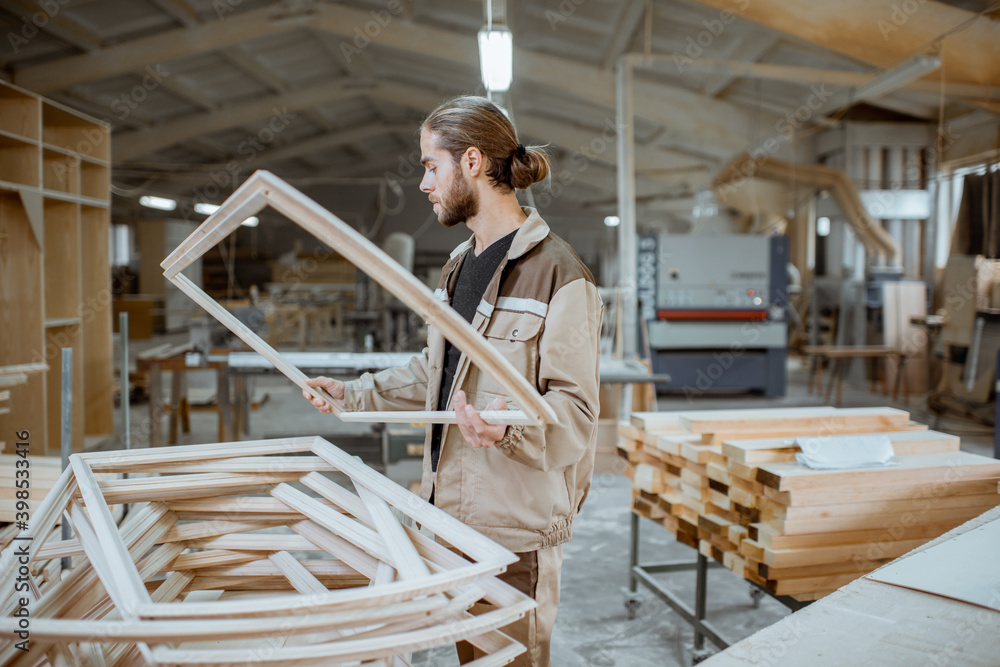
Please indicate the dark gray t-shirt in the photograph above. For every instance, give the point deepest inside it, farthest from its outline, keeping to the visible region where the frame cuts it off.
(474, 277)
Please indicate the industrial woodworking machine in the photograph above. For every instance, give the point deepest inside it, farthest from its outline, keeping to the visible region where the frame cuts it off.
(715, 309)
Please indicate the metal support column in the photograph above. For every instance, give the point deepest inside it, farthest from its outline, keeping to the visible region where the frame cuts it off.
(627, 280)
(124, 389)
(123, 380)
(66, 423)
(633, 554)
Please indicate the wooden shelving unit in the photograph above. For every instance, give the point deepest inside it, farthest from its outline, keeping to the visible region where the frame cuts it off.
(55, 278)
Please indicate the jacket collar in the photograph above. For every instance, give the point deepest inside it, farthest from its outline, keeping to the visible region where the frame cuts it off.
(531, 232)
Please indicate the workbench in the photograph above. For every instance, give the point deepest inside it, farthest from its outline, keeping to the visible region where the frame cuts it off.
(317, 363)
(613, 371)
(177, 365)
(869, 622)
(840, 357)
(628, 371)
(244, 364)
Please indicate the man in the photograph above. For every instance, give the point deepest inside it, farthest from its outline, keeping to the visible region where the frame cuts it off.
(528, 293)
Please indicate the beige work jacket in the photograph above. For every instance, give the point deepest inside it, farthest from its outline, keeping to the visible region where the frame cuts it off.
(542, 312)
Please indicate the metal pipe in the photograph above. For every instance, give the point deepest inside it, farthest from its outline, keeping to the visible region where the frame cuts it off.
(700, 595)
(126, 435)
(124, 386)
(66, 440)
(633, 554)
(627, 280)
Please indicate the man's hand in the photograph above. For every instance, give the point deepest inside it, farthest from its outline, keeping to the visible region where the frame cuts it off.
(333, 387)
(475, 431)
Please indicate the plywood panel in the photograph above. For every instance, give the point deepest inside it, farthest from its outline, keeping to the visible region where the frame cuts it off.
(95, 181)
(962, 568)
(96, 315)
(72, 132)
(872, 623)
(20, 113)
(62, 260)
(21, 320)
(60, 172)
(20, 162)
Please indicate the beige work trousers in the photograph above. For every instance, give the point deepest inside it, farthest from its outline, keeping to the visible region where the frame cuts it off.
(536, 574)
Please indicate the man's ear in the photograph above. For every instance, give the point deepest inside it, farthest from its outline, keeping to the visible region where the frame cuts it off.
(472, 161)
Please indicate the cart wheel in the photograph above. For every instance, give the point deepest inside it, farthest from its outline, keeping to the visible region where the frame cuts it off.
(755, 596)
(632, 608)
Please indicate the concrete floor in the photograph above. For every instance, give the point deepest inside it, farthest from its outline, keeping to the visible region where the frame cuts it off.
(592, 629)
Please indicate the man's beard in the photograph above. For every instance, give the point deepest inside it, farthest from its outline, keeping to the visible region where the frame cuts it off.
(460, 203)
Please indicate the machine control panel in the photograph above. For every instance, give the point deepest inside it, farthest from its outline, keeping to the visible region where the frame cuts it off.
(713, 272)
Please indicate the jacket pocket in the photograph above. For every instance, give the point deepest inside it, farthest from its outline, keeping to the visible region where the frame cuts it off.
(511, 495)
(515, 336)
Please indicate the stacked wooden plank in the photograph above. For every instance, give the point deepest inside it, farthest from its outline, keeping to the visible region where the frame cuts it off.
(727, 483)
(202, 571)
(8, 380)
(41, 472)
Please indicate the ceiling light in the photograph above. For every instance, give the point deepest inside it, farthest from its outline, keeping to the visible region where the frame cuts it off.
(612, 221)
(251, 221)
(496, 57)
(822, 226)
(160, 203)
(205, 209)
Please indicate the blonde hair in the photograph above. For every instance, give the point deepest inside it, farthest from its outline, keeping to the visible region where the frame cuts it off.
(475, 121)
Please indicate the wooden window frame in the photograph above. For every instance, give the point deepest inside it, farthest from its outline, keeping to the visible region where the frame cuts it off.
(203, 535)
(264, 189)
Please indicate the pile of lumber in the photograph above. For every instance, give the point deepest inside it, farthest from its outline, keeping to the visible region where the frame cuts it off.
(41, 473)
(727, 483)
(221, 560)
